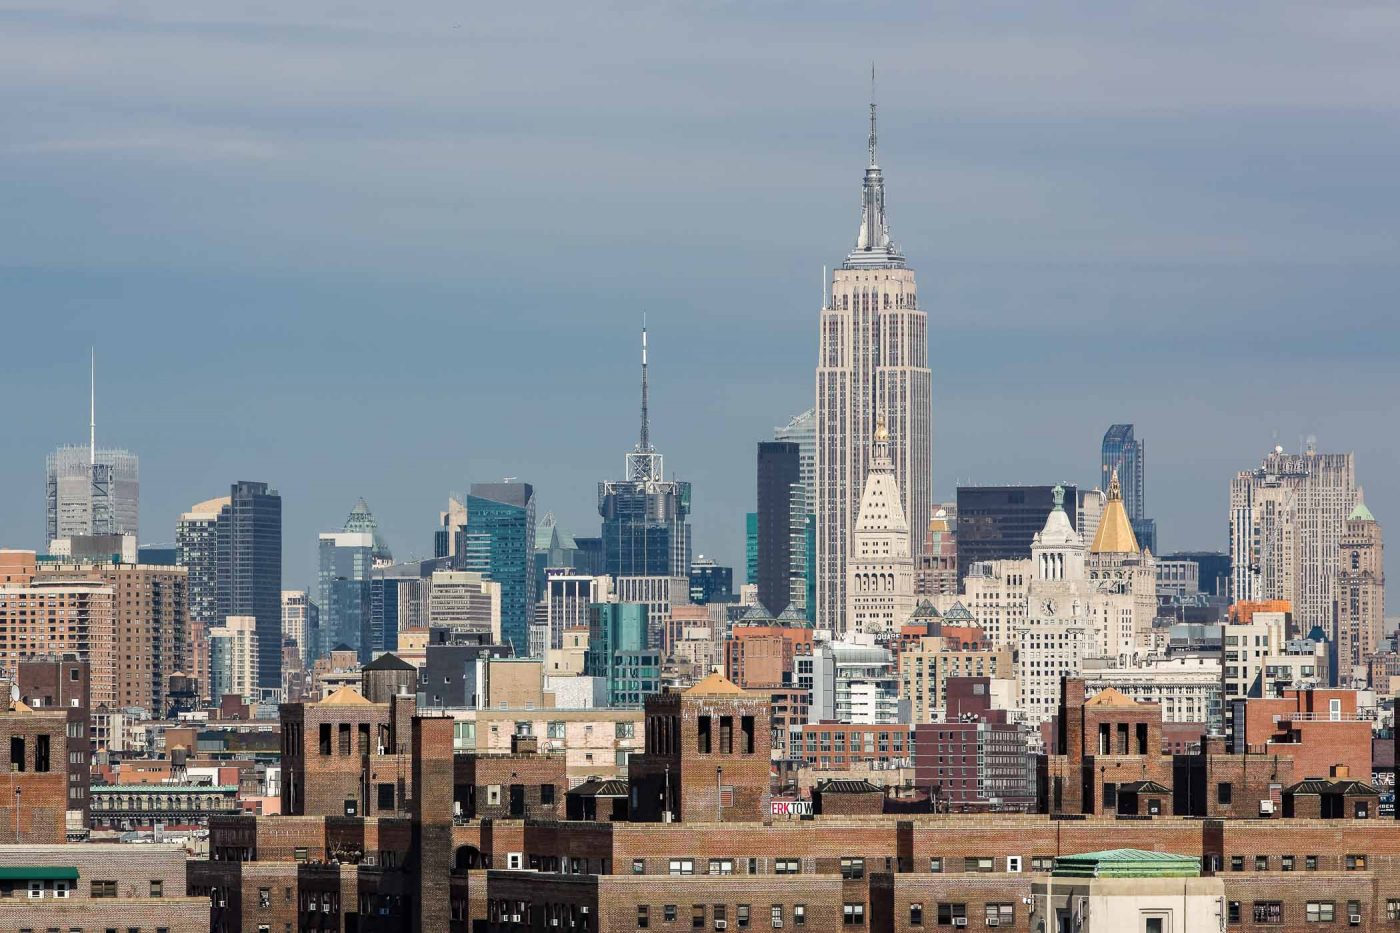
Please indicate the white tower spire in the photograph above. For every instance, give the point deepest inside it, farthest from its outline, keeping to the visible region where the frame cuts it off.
(92, 406)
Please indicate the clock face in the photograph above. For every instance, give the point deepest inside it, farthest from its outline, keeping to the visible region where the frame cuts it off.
(1048, 607)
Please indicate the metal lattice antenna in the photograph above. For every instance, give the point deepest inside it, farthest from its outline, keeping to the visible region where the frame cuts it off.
(872, 113)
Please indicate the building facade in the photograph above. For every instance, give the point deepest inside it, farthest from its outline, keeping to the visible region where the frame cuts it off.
(343, 590)
(1000, 522)
(92, 491)
(1360, 596)
(880, 565)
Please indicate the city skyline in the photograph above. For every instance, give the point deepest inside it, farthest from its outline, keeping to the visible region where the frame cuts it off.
(1194, 283)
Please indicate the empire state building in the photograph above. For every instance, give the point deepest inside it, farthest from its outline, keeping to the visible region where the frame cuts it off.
(872, 367)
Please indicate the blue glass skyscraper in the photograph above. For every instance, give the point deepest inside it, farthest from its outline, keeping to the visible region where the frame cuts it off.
(499, 543)
(645, 529)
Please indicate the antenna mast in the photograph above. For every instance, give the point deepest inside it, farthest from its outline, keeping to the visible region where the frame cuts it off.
(92, 406)
(872, 113)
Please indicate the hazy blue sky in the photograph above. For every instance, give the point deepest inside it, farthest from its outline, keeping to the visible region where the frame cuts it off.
(358, 249)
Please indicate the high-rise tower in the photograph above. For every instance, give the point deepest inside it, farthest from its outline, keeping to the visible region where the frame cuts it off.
(872, 365)
(91, 490)
(645, 533)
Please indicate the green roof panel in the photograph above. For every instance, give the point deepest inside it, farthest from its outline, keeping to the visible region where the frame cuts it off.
(38, 873)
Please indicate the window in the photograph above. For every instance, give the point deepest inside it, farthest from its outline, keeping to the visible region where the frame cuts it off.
(1237, 863)
(639, 866)
(624, 730)
(554, 730)
(1356, 863)
(384, 793)
(977, 863)
(777, 915)
(1154, 924)
(697, 916)
(1042, 863)
(741, 916)
(36, 890)
(643, 916)
(1261, 863)
(916, 915)
(852, 868)
(1285, 863)
(103, 889)
(786, 866)
(853, 915)
(60, 889)
(299, 854)
(799, 914)
(1268, 911)
(721, 866)
(1362, 810)
(1354, 910)
(935, 865)
(682, 866)
(1392, 909)
(947, 913)
(546, 794)
(1233, 912)
(668, 913)
(1321, 911)
(1001, 915)
(1310, 862)
(264, 897)
(493, 795)
(1224, 793)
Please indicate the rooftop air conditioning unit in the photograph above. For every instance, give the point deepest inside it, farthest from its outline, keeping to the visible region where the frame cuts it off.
(959, 921)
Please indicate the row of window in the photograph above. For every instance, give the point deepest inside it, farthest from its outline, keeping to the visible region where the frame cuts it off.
(1272, 912)
(700, 914)
(1353, 862)
(948, 914)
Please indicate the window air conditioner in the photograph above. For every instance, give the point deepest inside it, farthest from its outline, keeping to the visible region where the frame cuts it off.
(993, 922)
(721, 924)
(777, 924)
(959, 921)
(1354, 919)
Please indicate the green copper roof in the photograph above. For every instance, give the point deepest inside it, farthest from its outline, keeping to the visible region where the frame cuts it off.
(1361, 513)
(1127, 863)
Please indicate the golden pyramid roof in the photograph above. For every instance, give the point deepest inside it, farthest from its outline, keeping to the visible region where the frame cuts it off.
(345, 696)
(1115, 534)
(1110, 696)
(716, 684)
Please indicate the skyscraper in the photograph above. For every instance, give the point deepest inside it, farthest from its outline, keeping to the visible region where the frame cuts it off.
(500, 545)
(779, 477)
(362, 520)
(1125, 453)
(1360, 596)
(248, 542)
(802, 431)
(1286, 523)
(880, 584)
(91, 490)
(645, 532)
(343, 591)
(197, 550)
(872, 364)
(1001, 522)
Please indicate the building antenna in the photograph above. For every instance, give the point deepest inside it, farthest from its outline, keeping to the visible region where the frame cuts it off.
(92, 406)
(644, 443)
(823, 285)
(872, 113)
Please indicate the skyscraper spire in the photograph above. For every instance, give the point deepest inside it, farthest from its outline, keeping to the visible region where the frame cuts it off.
(644, 463)
(873, 244)
(644, 441)
(92, 406)
(872, 114)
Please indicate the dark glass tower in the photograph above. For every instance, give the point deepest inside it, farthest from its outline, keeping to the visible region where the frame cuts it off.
(779, 471)
(645, 529)
(249, 553)
(999, 522)
(499, 543)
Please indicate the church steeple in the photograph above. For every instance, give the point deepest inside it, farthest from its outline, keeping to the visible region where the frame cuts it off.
(873, 244)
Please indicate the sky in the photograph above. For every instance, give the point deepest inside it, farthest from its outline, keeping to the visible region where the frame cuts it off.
(384, 251)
